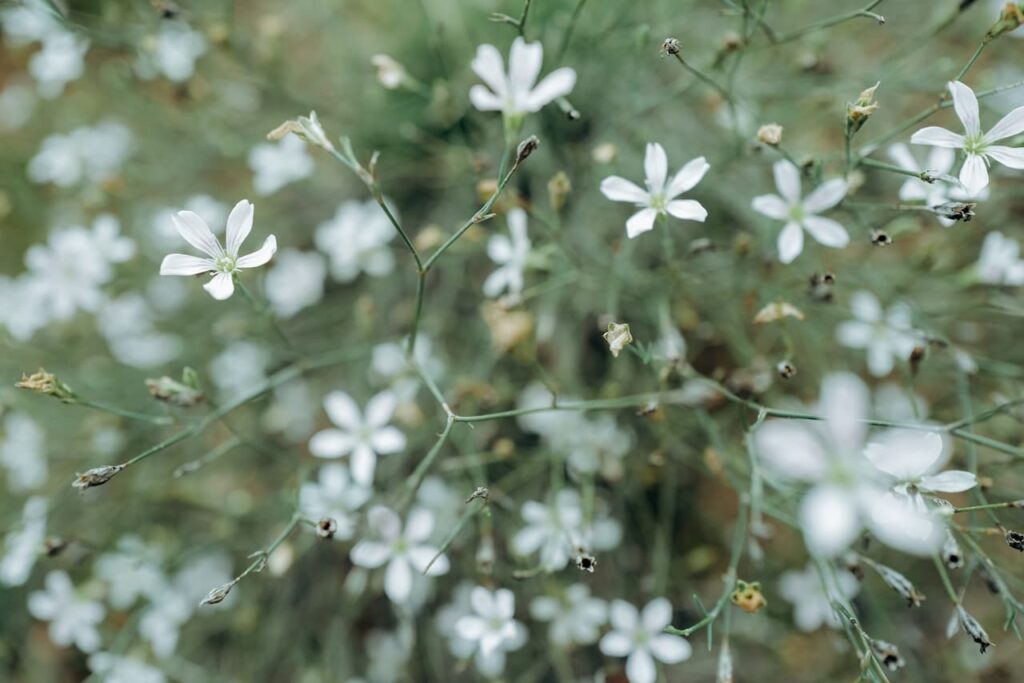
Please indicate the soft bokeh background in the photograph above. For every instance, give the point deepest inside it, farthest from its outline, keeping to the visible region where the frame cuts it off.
(169, 108)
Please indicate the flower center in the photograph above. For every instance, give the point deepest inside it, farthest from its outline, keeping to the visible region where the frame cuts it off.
(796, 212)
(226, 264)
(641, 638)
(974, 144)
(658, 201)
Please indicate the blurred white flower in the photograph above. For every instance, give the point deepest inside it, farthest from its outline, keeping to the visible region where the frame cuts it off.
(22, 452)
(17, 101)
(277, 164)
(638, 637)
(336, 496)
(449, 615)
(802, 213)
(999, 262)
(61, 61)
(404, 550)
(844, 493)
(598, 446)
(113, 668)
(390, 73)
(517, 92)
(940, 160)
(223, 261)
(510, 255)
(94, 154)
(292, 411)
(390, 365)
(240, 366)
(492, 628)
(576, 617)
(73, 618)
(812, 599)
(127, 324)
(27, 22)
(888, 336)
(558, 427)
(131, 571)
(296, 281)
(176, 49)
(912, 460)
(443, 501)
(388, 653)
(977, 145)
(24, 544)
(558, 531)
(360, 436)
(659, 199)
(356, 240)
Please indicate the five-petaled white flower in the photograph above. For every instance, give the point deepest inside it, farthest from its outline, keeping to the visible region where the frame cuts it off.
(404, 550)
(912, 460)
(659, 198)
(978, 146)
(222, 261)
(364, 436)
(576, 616)
(510, 255)
(334, 496)
(558, 530)
(812, 596)
(886, 335)
(514, 94)
(638, 637)
(999, 262)
(802, 213)
(492, 627)
(73, 618)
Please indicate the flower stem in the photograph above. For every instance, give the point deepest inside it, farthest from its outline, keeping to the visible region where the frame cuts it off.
(121, 412)
(832, 21)
(262, 309)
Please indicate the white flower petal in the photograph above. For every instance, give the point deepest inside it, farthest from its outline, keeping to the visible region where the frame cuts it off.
(854, 334)
(950, 481)
(687, 177)
(619, 189)
(656, 615)
(670, 649)
(844, 402)
(343, 411)
(901, 156)
(904, 454)
(829, 519)
(221, 286)
(1008, 126)
(363, 462)
(239, 226)
(489, 66)
(524, 61)
(966, 106)
(826, 231)
(387, 440)
(790, 242)
(655, 167)
(183, 264)
(787, 180)
(370, 554)
(825, 196)
(499, 249)
(558, 83)
(261, 256)
(482, 601)
(623, 616)
(687, 210)
(398, 580)
(790, 450)
(895, 521)
(421, 555)
(484, 100)
(974, 174)
(939, 137)
(196, 232)
(640, 222)
(385, 522)
(380, 409)
(640, 667)
(865, 306)
(771, 205)
(470, 627)
(1008, 156)
(616, 644)
(331, 443)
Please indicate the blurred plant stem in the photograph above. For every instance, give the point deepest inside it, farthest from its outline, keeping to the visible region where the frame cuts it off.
(263, 310)
(121, 412)
(831, 21)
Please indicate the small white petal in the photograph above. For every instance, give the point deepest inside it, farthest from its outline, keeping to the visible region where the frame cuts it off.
(826, 231)
(656, 615)
(370, 554)
(640, 222)
(239, 226)
(974, 174)
(363, 462)
(331, 443)
(687, 177)
(619, 189)
(1007, 156)
(380, 409)
(825, 196)
(966, 106)
(903, 454)
(398, 580)
(670, 649)
(196, 232)
(1008, 126)
(558, 83)
(771, 205)
(616, 644)
(183, 264)
(950, 481)
(640, 667)
(343, 411)
(221, 286)
(790, 242)
(687, 210)
(524, 61)
(787, 180)
(655, 167)
(828, 517)
(939, 137)
(261, 256)
(791, 451)
(623, 616)
(387, 440)
(854, 334)
(483, 99)
(489, 66)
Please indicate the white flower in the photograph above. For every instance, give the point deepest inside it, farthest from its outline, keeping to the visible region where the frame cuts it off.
(356, 240)
(89, 153)
(292, 411)
(391, 366)
(16, 104)
(29, 21)
(127, 324)
(844, 493)
(886, 335)
(280, 163)
(223, 261)
(239, 367)
(977, 145)
(335, 496)
(26, 300)
(361, 436)
(404, 550)
(123, 669)
(516, 94)
(390, 73)
(23, 546)
(558, 531)
(802, 213)
(296, 281)
(132, 571)
(576, 617)
(598, 445)
(812, 600)
(510, 255)
(492, 628)
(22, 452)
(660, 196)
(73, 618)
(176, 49)
(912, 460)
(638, 637)
(999, 262)
(61, 61)
(940, 161)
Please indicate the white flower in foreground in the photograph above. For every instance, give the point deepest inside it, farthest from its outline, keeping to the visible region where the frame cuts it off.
(886, 335)
(844, 494)
(558, 531)
(356, 240)
(404, 550)
(801, 213)
(999, 262)
(912, 460)
(277, 164)
(492, 628)
(517, 92)
(638, 637)
(660, 196)
(977, 145)
(510, 255)
(113, 668)
(73, 618)
(360, 436)
(336, 496)
(223, 261)
(576, 616)
(23, 545)
(812, 600)
(296, 281)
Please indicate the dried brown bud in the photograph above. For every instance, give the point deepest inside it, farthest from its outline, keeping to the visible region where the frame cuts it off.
(618, 337)
(1015, 539)
(857, 113)
(770, 134)
(526, 148)
(777, 310)
(820, 286)
(326, 528)
(43, 382)
(97, 476)
(880, 238)
(670, 46)
(889, 654)
(586, 562)
(1010, 19)
(973, 629)
(785, 369)
(306, 127)
(956, 211)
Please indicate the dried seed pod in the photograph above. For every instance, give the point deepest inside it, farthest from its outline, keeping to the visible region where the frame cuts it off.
(785, 369)
(951, 553)
(900, 584)
(97, 476)
(326, 528)
(888, 653)
(586, 562)
(1015, 539)
(218, 594)
(670, 46)
(973, 629)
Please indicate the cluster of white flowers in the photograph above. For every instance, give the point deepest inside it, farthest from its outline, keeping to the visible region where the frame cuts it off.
(356, 241)
(61, 57)
(559, 531)
(999, 262)
(172, 52)
(90, 154)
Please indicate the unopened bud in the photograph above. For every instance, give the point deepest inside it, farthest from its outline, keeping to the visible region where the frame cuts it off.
(786, 369)
(670, 46)
(306, 127)
(857, 113)
(43, 382)
(618, 337)
(889, 654)
(821, 285)
(973, 629)
(559, 188)
(1010, 19)
(326, 528)
(171, 391)
(604, 153)
(97, 476)
(900, 584)
(526, 148)
(777, 310)
(390, 73)
(748, 596)
(770, 134)
(956, 211)
(217, 595)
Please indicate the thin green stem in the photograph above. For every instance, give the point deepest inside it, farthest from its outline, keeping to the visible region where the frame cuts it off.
(412, 484)
(892, 168)
(832, 21)
(121, 412)
(521, 26)
(570, 29)
(946, 582)
(706, 79)
(262, 309)
(974, 58)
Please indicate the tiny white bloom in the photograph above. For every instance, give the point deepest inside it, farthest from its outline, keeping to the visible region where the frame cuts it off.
(89, 153)
(660, 196)
(638, 637)
(21, 546)
(999, 262)
(277, 164)
(812, 599)
(296, 281)
(390, 73)
(131, 571)
(361, 436)
(886, 335)
(403, 549)
(123, 669)
(510, 255)
(558, 530)
(599, 445)
(223, 261)
(576, 616)
(801, 213)
(73, 618)
(176, 49)
(336, 496)
(978, 146)
(517, 92)
(22, 452)
(356, 240)
(391, 366)
(492, 628)
(240, 366)
(61, 61)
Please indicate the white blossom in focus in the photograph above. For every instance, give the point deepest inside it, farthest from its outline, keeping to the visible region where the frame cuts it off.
(638, 637)
(801, 213)
(660, 197)
(575, 616)
(336, 496)
(999, 262)
(978, 146)
(492, 628)
(812, 603)
(361, 436)
(404, 549)
(887, 336)
(73, 618)
(517, 92)
(510, 255)
(356, 240)
(295, 281)
(280, 163)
